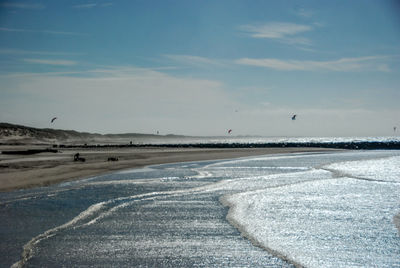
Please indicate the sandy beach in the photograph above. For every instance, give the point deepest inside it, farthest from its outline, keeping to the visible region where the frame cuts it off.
(27, 171)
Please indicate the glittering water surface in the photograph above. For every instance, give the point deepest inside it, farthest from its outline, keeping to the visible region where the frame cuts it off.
(311, 209)
(261, 140)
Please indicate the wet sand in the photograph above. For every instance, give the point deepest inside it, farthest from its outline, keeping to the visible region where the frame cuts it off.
(27, 171)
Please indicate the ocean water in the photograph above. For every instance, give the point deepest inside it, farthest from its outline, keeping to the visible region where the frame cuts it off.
(256, 139)
(333, 209)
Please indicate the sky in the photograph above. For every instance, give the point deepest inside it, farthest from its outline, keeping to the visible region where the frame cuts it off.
(202, 67)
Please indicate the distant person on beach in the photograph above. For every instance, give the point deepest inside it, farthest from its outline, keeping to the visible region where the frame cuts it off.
(78, 158)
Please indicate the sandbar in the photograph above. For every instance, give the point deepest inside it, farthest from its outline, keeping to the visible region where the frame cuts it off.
(43, 169)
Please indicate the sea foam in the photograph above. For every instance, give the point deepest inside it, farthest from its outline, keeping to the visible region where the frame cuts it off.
(327, 221)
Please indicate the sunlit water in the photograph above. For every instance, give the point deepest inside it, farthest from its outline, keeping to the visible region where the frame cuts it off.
(307, 209)
(232, 139)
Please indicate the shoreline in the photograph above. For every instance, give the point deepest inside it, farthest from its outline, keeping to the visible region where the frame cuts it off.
(230, 219)
(47, 168)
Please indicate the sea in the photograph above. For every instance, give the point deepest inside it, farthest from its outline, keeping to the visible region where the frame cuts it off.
(311, 209)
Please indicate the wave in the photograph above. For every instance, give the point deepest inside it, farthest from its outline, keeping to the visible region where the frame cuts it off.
(302, 208)
(325, 220)
(385, 169)
(101, 210)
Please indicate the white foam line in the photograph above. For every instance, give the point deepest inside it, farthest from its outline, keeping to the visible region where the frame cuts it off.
(149, 196)
(96, 208)
(340, 173)
(90, 212)
(232, 209)
(142, 181)
(153, 196)
(200, 174)
(141, 197)
(248, 159)
(28, 248)
(135, 170)
(269, 168)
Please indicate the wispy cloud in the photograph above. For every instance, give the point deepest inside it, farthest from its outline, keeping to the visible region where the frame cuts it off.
(33, 52)
(4, 29)
(92, 5)
(62, 33)
(304, 13)
(195, 60)
(22, 5)
(85, 6)
(340, 65)
(279, 31)
(51, 62)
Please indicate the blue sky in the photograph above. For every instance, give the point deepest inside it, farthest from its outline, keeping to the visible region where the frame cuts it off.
(202, 67)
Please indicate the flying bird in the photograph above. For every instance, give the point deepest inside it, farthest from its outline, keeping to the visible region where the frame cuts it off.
(52, 120)
(294, 117)
(229, 131)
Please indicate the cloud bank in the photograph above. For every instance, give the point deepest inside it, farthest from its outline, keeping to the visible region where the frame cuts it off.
(126, 99)
(118, 100)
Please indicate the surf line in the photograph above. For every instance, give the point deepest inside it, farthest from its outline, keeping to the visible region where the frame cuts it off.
(96, 212)
(341, 174)
(252, 239)
(86, 217)
(101, 210)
